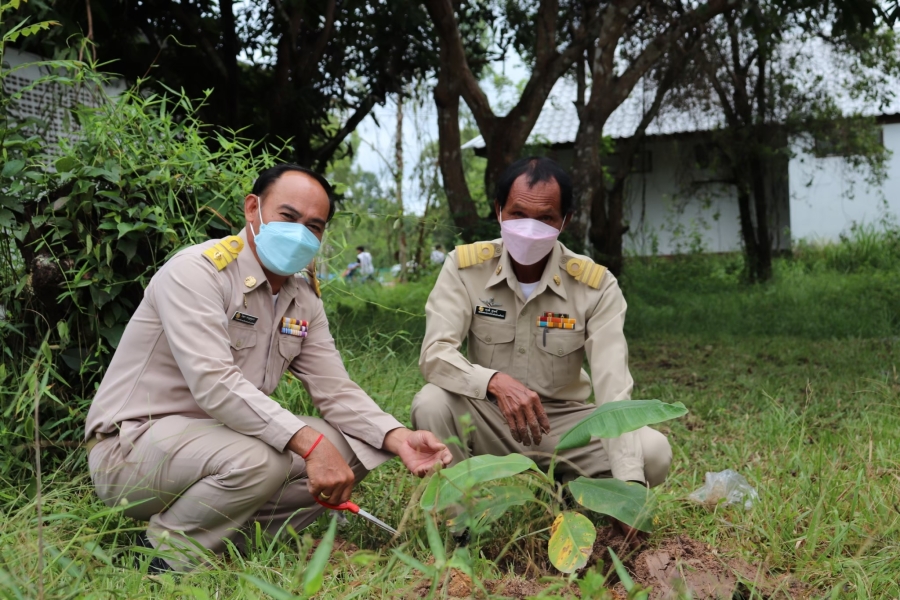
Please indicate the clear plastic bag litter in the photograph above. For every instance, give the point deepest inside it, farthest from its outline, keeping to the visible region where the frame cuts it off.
(727, 485)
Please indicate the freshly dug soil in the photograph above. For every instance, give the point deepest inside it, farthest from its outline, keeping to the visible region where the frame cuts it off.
(673, 565)
(460, 586)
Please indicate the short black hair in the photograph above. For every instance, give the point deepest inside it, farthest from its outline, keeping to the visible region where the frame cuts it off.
(360, 248)
(438, 247)
(539, 169)
(265, 180)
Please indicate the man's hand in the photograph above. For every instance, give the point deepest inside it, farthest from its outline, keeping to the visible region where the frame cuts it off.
(420, 451)
(330, 477)
(522, 408)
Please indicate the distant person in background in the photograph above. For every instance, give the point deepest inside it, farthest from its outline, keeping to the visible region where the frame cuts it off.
(411, 266)
(437, 255)
(366, 268)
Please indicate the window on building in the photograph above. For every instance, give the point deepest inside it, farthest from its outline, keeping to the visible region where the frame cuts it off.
(847, 138)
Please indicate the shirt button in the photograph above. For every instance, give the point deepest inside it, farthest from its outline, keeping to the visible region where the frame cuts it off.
(521, 350)
(488, 338)
(559, 351)
(239, 344)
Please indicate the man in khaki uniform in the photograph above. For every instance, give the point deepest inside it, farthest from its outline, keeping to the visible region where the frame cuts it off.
(523, 384)
(182, 428)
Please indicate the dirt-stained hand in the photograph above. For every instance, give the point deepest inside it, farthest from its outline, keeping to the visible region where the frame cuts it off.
(522, 408)
(330, 477)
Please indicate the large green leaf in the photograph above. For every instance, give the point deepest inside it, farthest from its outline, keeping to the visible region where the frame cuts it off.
(631, 503)
(449, 485)
(615, 418)
(500, 500)
(571, 541)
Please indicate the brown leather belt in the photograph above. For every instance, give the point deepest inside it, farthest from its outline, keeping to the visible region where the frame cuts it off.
(98, 437)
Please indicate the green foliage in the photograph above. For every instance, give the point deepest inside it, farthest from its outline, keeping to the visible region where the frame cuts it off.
(634, 591)
(314, 574)
(824, 291)
(450, 485)
(612, 419)
(572, 535)
(87, 223)
(626, 501)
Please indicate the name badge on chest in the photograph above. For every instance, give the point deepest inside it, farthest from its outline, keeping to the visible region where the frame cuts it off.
(490, 311)
(244, 318)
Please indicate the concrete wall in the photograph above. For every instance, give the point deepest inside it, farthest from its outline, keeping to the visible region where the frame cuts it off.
(676, 208)
(828, 196)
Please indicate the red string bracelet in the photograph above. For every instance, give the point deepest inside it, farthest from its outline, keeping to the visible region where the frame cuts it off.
(313, 447)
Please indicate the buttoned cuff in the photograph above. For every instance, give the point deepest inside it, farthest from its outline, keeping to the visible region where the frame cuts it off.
(478, 382)
(280, 431)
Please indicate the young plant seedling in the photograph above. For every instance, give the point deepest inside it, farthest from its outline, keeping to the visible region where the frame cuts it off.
(572, 534)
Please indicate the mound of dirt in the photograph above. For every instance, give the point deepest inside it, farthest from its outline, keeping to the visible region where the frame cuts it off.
(460, 586)
(674, 565)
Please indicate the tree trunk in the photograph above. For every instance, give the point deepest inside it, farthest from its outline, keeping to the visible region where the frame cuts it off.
(229, 58)
(459, 200)
(762, 262)
(398, 185)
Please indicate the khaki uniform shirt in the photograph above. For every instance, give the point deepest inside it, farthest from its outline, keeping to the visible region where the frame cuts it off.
(506, 337)
(186, 352)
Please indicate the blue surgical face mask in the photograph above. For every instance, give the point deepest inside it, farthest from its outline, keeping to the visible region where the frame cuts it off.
(284, 248)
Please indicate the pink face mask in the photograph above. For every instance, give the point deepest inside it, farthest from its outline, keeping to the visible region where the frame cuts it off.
(528, 240)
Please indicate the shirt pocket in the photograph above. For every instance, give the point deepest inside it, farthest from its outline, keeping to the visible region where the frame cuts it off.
(289, 347)
(561, 358)
(491, 344)
(242, 338)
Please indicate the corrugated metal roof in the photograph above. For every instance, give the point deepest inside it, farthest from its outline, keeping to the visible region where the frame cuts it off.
(558, 121)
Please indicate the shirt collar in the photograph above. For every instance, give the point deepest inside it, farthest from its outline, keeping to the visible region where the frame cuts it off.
(551, 279)
(252, 274)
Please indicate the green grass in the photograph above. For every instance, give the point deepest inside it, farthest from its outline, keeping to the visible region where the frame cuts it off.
(793, 384)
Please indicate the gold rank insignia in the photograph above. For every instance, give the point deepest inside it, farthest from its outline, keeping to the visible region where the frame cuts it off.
(474, 254)
(250, 281)
(224, 251)
(584, 270)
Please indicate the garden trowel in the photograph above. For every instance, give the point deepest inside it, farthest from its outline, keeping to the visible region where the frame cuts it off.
(356, 510)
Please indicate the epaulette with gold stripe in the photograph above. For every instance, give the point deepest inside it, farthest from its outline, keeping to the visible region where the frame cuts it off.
(224, 251)
(310, 275)
(475, 254)
(584, 270)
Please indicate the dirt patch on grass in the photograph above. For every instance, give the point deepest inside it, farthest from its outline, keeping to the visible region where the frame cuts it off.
(460, 586)
(674, 565)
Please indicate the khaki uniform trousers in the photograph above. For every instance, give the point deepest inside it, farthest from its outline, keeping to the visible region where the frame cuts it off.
(439, 411)
(199, 483)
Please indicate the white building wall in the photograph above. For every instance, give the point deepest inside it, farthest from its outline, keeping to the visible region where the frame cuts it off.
(676, 209)
(828, 196)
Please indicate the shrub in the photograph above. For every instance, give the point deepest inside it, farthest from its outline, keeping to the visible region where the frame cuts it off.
(90, 222)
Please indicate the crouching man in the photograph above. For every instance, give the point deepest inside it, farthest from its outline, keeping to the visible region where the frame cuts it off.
(531, 311)
(182, 426)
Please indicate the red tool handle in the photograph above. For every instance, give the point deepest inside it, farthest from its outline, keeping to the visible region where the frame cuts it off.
(343, 506)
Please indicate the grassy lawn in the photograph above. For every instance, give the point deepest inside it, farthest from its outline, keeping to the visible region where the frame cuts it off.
(794, 385)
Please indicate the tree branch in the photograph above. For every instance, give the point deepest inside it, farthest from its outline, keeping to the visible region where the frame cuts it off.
(324, 153)
(651, 53)
(444, 19)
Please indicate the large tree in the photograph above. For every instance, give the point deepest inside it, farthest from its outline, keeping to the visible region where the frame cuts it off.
(772, 73)
(553, 37)
(310, 71)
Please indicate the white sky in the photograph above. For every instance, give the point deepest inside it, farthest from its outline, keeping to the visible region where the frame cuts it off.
(419, 130)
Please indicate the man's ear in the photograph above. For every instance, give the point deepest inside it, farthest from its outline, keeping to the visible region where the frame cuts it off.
(497, 210)
(251, 207)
